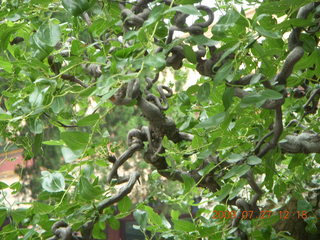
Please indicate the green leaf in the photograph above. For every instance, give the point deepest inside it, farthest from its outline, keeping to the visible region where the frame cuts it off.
(271, 94)
(75, 140)
(36, 125)
(4, 116)
(127, 52)
(237, 171)
(125, 204)
(267, 33)
(252, 99)
(52, 182)
(98, 27)
(19, 214)
(268, 221)
(256, 78)
(223, 192)
(141, 217)
(153, 217)
(89, 120)
(37, 143)
(187, 9)
(6, 65)
(16, 187)
(48, 33)
(53, 142)
(3, 185)
(227, 97)
(189, 53)
(281, 7)
(234, 157)
(42, 208)
(223, 72)
(253, 160)
(70, 155)
(183, 225)
(58, 104)
(303, 205)
(3, 214)
(156, 60)
(114, 223)
(76, 7)
(5, 34)
(237, 188)
(204, 92)
(36, 98)
(207, 169)
(213, 121)
(188, 183)
(87, 190)
(97, 232)
(203, 40)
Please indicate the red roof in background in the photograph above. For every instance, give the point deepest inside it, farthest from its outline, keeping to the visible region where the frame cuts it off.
(9, 160)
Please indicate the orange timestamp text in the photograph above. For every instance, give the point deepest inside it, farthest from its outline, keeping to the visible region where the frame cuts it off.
(260, 215)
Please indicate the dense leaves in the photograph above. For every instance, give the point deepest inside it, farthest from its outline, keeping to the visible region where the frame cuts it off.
(246, 102)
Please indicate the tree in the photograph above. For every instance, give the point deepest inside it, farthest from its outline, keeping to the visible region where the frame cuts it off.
(246, 135)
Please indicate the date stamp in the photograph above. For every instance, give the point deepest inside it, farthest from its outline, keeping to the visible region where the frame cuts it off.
(247, 215)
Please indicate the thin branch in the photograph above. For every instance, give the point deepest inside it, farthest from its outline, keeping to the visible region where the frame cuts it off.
(122, 159)
(60, 123)
(277, 130)
(124, 191)
(73, 79)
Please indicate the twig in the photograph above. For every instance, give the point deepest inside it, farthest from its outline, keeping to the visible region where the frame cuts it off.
(73, 79)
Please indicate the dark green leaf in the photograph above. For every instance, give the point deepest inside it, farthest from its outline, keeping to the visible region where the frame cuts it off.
(204, 92)
(213, 121)
(267, 33)
(89, 120)
(87, 190)
(75, 140)
(188, 183)
(188, 9)
(37, 143)
(223, 192)
(303, 205)
(114, 223)
(19, 214)
(252, 99)
(125, 204)
(237, 188)
(76, 7)
(223, 72)
(183, 225)
(42, 208)
(203, 40)
(5, 33)
(189, 53)
(227, 97)
(271, 94)
(233, 158)
(237, 171)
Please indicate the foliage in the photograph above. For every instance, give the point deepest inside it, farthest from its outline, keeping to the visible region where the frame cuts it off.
(65, 66)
